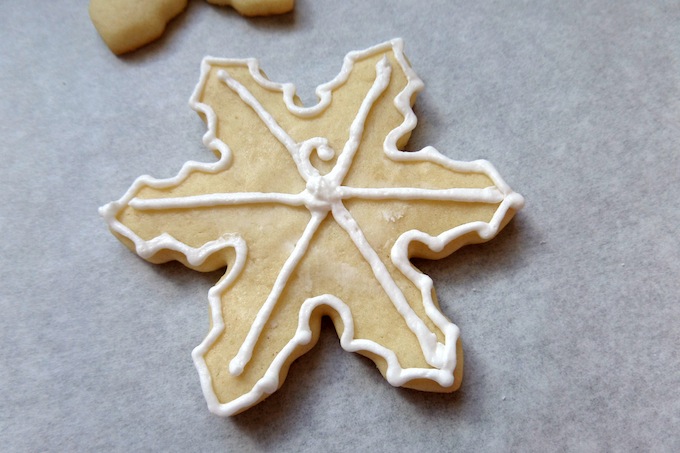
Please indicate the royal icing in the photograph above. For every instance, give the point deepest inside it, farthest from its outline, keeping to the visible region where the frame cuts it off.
(325, 196)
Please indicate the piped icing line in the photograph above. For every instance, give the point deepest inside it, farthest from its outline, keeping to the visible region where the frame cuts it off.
(324, 194)
(403, 103)
(245, 352)
(471, 233)
(486, 195)
(217, 199)
(210, 141)
(305, 169)
(383, 71)
(324, 92)
(426, 338)
(217, 321)
(269, 382)
(148, 248)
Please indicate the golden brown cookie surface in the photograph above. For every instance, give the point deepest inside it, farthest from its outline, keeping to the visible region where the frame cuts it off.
(316, 212)
(126, 25)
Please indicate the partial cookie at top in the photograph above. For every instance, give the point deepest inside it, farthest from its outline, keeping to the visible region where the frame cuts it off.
(257, 7)
(126, 25)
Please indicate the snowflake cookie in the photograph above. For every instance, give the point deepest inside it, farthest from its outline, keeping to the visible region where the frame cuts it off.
(315, 211)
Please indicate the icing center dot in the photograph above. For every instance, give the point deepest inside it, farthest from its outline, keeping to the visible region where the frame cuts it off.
(321, 192)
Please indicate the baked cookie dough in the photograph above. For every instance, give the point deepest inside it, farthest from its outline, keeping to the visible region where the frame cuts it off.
(315, 211)
(126, 25)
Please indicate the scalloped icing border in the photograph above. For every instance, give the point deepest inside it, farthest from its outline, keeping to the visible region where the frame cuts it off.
(439, 246)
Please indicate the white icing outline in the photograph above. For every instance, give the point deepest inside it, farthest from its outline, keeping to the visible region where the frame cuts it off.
(322, 195)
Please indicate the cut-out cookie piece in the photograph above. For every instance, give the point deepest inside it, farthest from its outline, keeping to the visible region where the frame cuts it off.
(126, 25)
(316, 212)
(257, 7)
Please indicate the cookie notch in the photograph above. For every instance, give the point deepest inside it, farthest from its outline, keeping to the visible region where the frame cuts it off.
(333, 200)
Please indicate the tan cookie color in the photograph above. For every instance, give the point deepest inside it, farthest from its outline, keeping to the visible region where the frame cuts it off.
(257, 7)
(126, 25)
(315, 212)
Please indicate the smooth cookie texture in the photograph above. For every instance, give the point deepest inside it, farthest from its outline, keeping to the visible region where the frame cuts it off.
(315, 212)
(126, 25)
(257, 7)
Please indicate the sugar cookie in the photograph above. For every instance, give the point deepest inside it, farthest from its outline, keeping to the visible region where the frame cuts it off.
(315, 211)
(257, 7)
(126, 25)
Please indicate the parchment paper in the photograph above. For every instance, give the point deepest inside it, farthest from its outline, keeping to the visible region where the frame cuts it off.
(570, 318)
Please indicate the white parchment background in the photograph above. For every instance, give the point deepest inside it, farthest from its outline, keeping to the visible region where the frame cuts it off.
(570, 317)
